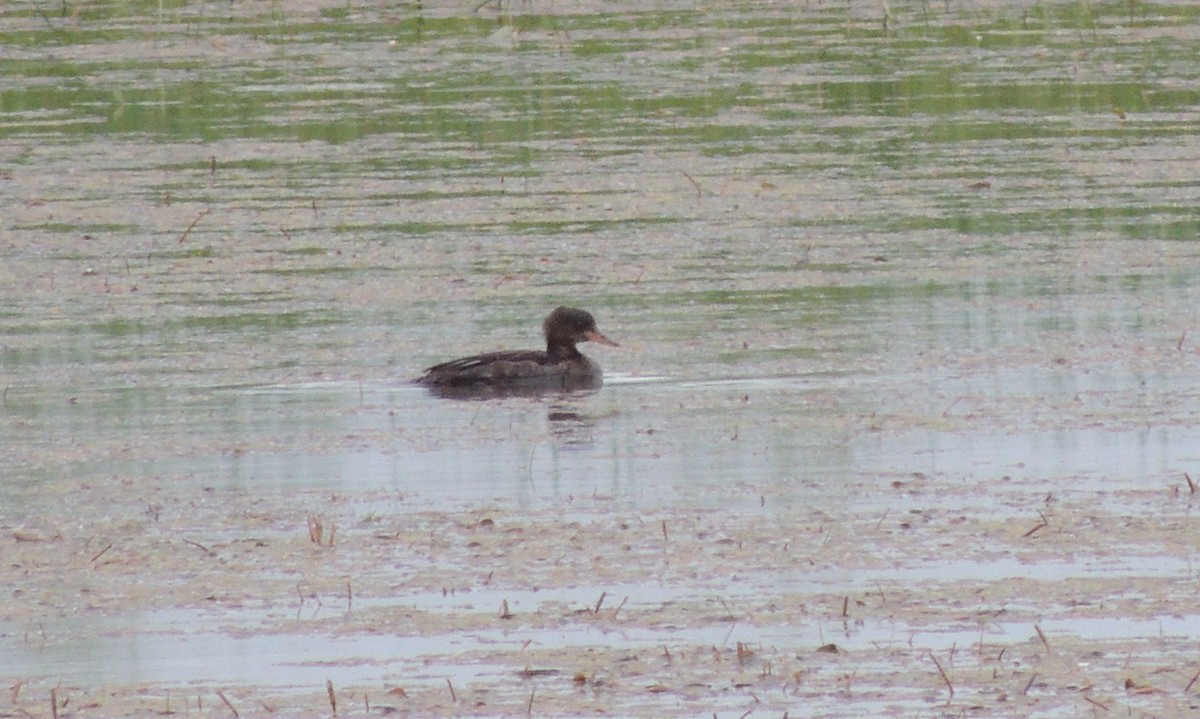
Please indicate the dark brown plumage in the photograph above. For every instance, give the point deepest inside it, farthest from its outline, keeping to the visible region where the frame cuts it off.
(561, 366)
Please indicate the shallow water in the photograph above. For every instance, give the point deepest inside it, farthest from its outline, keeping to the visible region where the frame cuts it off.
(925, 261)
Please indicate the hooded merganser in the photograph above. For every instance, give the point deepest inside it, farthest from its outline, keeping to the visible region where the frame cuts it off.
(560, 367)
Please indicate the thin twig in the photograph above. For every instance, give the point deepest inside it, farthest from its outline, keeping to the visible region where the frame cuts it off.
(1037, 527)
(197, 545)
(188, 231)
(618, 609)
(1193, 681)
(235, 711)
(941, 671)
(101, 553)
(1042, 636)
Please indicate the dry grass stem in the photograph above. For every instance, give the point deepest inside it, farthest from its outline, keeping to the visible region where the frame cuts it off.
(618, 609)
(1042, 636)
(192, 226)
(941, 671)
(1188, 688)
(100, 553)
(225, 699)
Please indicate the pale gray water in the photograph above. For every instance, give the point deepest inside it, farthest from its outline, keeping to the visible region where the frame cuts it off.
(955, 250)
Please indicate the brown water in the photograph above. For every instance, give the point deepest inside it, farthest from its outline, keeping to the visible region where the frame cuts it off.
(895, 286)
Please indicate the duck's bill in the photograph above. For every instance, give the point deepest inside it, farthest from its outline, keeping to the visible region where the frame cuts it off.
(594, 336)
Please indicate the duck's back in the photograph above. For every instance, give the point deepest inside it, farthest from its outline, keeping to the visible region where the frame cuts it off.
(516, 368)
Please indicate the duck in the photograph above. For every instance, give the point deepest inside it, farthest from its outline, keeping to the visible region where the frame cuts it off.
(560, 367)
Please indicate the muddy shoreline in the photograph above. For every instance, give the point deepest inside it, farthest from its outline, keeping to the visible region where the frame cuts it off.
(588, 607)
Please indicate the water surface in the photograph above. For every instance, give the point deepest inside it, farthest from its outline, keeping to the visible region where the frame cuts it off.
(922, 268)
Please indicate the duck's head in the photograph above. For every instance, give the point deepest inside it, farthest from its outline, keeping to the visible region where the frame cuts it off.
(566, 326)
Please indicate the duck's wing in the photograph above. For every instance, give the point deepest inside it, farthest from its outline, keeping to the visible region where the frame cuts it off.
(490, 367)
